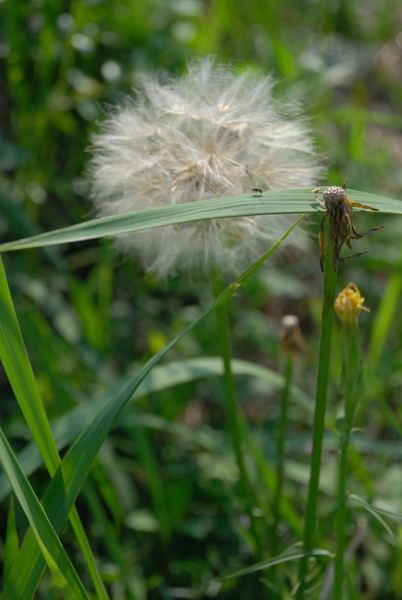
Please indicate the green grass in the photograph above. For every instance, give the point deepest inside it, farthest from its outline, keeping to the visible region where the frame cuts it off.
(151, 469)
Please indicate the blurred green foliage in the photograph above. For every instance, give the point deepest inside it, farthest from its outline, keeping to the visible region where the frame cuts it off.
(162, 509)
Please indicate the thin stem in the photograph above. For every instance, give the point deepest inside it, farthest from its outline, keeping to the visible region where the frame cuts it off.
(341, 511)
(330, 278)
(351, 386)
(280, 444)
(280, 447)
(235, 421)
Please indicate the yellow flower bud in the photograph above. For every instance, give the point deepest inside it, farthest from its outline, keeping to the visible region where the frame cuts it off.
(349, 303)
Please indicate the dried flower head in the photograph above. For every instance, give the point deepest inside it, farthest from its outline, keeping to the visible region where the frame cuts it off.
(349, 303)
(339, 212)
(210, 133)
(291, 337)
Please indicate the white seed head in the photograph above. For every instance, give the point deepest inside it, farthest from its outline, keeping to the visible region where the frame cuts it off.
(210, 133)
(334, 193)
(289, 321)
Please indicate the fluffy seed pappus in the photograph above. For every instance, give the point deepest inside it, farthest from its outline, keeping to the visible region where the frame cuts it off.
(339, 213)
(210, 133)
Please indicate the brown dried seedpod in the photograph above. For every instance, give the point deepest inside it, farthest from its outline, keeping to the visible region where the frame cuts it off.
(339, 212)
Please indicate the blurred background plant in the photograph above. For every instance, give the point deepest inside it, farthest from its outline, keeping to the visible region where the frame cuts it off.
(161, 503)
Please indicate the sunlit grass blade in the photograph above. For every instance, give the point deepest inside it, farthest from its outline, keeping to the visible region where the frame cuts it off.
(67, 482)
(63, 572)
(278, 202)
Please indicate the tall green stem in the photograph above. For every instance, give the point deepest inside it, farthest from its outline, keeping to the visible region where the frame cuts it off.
(330, 278)
(280, 443)
(235, 421)
(341, 510)
(280, 446)
(351, 386)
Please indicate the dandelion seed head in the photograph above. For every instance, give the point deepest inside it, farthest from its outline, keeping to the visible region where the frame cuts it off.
(207, 134)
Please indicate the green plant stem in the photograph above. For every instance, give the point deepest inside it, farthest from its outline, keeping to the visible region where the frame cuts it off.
(280, 445)
(330, 279)
(351, 386)
(341, 510)
(235, 420)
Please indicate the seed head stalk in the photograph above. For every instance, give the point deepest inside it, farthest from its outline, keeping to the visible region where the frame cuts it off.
(280, 446)
(347, 306)
(292, 346)
(235, 419)
(330, 279)
(341, 511)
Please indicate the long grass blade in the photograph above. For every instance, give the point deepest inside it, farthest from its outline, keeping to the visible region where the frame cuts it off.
(375, 512)
(279, 202)
(56, 557)
(15, 360)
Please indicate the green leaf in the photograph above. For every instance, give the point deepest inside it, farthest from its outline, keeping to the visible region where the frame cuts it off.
(18, 368)
(279, 202)
(56, 557)
(15, 359)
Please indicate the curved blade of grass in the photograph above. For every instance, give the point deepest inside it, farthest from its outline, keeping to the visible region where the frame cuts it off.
(56, 557)
(375, 512)
(15, 360)
(69, 478)
(67, 427)
(17, 366)
(282, 558)
(380, 511)
(279, 202)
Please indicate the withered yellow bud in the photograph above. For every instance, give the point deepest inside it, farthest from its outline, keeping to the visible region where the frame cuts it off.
(349, 303)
